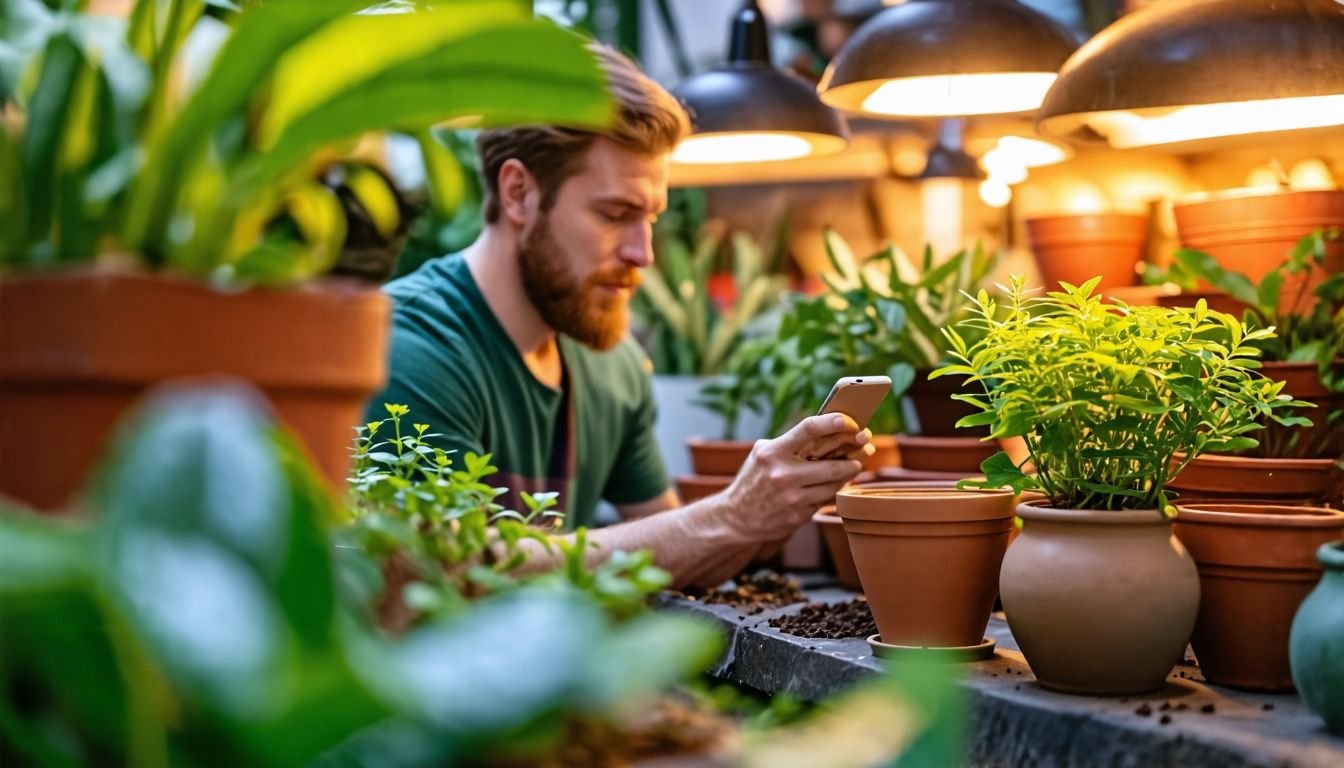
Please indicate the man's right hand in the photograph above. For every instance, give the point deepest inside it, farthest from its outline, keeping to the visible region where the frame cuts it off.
(778, 489)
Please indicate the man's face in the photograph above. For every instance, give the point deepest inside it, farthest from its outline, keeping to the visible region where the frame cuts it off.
(581, 260)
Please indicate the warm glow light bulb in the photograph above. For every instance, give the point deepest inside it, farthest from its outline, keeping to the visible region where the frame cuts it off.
(973, 94)
(1264, 177)
(995, 193)
(1031, 153)
(1311, 174)
(740, 148)
(1126, 129)
(1003, 167)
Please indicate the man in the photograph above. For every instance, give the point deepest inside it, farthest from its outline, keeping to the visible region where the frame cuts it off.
(518, 347)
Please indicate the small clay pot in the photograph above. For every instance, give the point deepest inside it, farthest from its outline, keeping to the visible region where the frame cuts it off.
(1256, 566)
(935, 409)
(1316, 643)
(1290, 481)
(1303, 382)
(945, 454)
(1077, 248)
(886, 455)
(1101, 602)
(718, 457)
(928, 559)
(693, 487)
(832, 531)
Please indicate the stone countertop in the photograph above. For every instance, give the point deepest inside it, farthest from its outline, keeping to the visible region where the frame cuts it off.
(1016, 722)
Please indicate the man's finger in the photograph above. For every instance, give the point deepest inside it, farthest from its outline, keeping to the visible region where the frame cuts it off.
(840, 445)
(827, 472)
(813, 428)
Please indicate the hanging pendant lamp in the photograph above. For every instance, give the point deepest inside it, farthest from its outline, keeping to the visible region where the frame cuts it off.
(928, 58)
(1199, 69)
(748, 111)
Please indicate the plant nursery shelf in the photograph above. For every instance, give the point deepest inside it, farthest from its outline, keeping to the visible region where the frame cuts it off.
(1014, 721)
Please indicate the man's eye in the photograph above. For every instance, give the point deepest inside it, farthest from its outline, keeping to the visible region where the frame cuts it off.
(613, 218)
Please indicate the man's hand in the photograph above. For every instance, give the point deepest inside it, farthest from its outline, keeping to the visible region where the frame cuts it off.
(780, 486)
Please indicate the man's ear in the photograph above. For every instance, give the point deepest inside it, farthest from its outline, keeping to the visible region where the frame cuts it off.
(519, 195)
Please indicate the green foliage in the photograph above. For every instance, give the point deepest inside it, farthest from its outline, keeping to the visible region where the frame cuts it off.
(1309, 327)
(414, 507)
(198, 622)
(1107, 395)
(108, 156)
(686, 329)
(883, 316)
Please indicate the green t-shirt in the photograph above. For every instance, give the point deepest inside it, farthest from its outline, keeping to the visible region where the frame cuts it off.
(457, 369)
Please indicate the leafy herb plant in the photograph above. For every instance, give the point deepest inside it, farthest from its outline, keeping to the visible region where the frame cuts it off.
(1106, 396)
(1308, 323)
(435, 531)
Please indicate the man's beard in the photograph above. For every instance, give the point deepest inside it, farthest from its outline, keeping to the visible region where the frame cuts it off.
(580, 309)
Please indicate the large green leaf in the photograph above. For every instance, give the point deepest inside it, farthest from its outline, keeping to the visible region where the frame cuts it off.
(263, 34)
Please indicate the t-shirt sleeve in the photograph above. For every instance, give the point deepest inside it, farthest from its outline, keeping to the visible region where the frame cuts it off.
(424, 376)
(639, 474)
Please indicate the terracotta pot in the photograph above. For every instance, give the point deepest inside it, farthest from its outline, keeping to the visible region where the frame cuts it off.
(1077, 248)
(837, 546)
(1303, 382)
(693, 487)
(1252, 234)
(945, 454)
(935, 409)
(1100, 602)
(1212, 476)
(718, 457)
(1316, 644)
(928, 559)
(887, 454)
(1256, 566)
(78, 349)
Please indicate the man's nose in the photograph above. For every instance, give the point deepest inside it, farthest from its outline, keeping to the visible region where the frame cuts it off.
(637, 245)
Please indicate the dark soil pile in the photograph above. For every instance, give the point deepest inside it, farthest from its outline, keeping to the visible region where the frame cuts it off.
(851, 619)
(756, 592)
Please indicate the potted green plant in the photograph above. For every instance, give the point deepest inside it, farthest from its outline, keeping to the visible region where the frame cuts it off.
(883, 315)
(692, 317)
(1105, 397)
(137, 202)
(1290, 463)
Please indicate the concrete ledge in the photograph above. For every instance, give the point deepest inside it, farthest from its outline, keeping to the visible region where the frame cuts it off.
(1016, 722)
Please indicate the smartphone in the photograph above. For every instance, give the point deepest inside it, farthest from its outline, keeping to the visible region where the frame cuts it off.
(858, 397)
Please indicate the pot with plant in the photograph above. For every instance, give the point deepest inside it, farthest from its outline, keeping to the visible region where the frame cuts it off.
(1292, 463)
(157, 226)
(1100, 595)
(692, 319)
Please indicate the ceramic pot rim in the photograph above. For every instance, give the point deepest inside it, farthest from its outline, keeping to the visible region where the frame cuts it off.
(1041, 510)
(945, 443)
(1226, 462)
(922, 506)
(1331, 555)
(827, 516)
(1251, 516)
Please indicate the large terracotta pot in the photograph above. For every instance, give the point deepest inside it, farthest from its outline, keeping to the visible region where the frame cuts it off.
(928, 559)
(1077, 248)
(1316, 644)
(1257, 563)
(1289, 481)
(78, 349)
(1252, 234)
(935, 409)
(945, 454)
(1100, 602)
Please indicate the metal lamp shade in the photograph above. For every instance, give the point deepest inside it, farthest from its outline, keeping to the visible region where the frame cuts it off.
(748, 110)
(948, 57)
(1265, 65)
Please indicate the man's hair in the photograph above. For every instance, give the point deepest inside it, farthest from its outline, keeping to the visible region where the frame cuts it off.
(648, 121)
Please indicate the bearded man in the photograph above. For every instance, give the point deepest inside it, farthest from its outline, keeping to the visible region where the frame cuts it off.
(519, 347)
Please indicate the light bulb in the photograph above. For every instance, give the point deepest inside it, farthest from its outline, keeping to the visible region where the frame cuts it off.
(994, 193)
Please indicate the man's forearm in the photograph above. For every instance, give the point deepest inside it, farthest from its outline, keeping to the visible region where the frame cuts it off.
(693, 543)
